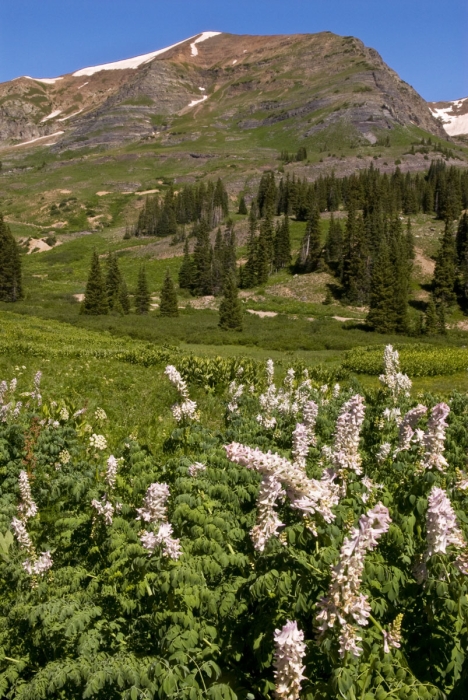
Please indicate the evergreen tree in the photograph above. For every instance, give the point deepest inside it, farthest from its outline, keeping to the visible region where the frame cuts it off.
(282, 254)
(95, 302)
(443, 283)
(382, 316)
(113, 280)
(402, 271)
(202, 256)
(334, 245)
(142, 295)
(123, 298)
(168, 302)
(265, 249)
(11, 287)
(186, 271)
(217, 265)
(441, 325)
(462, 238)
(242, 206)
(356, 268)
(230, 308)
(311, 246)
(249, 274)
(229, 252)
(431, 319)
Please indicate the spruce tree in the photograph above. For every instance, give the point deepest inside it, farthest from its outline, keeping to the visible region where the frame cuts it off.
(217, 264)
(382, 316)
(249, 275)
(186, 269)
(168, 302)
(356, 268)
(462, 238)
(113, 280)
(282, 256)
(95, 302)
(443, 283)
(142, 295)
(202, 283)
(402, 272)
(11, 286)
(123, 298)
(230, 308)
(334, 245)
(431, 319)
(242, 206)
(311, 246)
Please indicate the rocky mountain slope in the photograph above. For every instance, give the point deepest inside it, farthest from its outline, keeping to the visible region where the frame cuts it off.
(453, 115)
(300, 84)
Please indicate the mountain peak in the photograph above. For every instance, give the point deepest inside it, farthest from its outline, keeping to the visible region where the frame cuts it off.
(453, 115)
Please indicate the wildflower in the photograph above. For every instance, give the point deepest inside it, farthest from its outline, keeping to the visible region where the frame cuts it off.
(336, 391)
(392, 414)
(392, 378)
(289, 653)
(196, 467)
(104, 508)
(289, 379)
(268, 522)
(21, 534)
(345, 452)
(64, 457)
(441, 524)
(154, 504)
(383, 452)
(462, 480)
(187, 410)
(270, 371)
(323, 389)
(301, 444)
(28, 508)
(307, 495)
(64, 415)
(111, 472)
(434, 438)
(344, 604)
(175, 377)
(408, 425)
(40, 565)
(392, 638)
(170, 545)
(99, 442)
(235, 391)
(371, 487)
(79, 412)
(100, 414)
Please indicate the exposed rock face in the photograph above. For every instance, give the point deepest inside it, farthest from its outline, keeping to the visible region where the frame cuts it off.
(307, 81)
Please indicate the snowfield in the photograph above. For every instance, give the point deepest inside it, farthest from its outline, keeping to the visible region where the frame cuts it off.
(137, 61)
(453, 123)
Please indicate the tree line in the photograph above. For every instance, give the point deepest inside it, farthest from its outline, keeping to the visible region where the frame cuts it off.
(161, 216)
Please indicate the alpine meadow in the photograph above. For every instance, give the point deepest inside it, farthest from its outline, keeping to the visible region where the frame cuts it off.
(233, 378)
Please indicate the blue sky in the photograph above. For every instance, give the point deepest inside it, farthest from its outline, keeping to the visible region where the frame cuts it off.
(425, 41)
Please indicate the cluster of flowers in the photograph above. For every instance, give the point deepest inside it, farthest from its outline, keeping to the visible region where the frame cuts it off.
(196, 467)
(393, 379)
(442, 530)
(286, 400)
(310, 496)
(344, 604)
(344, 455)
(9, 408)
(289, 669)
(27, 509)
(104, 507)
(154, 511)
(98, 442)
(186, 410)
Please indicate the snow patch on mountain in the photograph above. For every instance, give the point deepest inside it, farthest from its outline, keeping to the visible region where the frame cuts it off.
(203, 37)
(454, 115)
(133, 63)
(39, 138)
(197, 102)
(53, 114)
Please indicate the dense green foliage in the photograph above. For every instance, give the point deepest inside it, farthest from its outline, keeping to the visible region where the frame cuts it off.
(416, 360)
(11, 284)
(96, 301)
(168, 300)
(111, 620)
